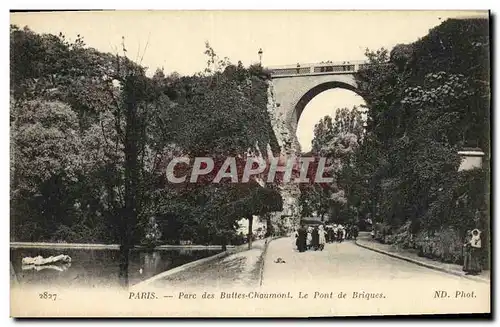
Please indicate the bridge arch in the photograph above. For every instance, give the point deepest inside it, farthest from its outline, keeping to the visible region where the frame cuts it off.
(316, 90)
(293, 87)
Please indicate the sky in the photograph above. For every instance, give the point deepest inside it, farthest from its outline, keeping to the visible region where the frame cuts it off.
(175, 40)
(325, 103)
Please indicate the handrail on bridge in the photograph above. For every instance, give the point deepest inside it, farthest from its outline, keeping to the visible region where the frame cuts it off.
(318, 68)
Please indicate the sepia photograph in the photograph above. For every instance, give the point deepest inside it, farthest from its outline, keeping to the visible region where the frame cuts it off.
(250, 163)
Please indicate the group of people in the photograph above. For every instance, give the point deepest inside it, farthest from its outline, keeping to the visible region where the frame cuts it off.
(339, 233)
(310, 238)
(315, 238)
(472, 252)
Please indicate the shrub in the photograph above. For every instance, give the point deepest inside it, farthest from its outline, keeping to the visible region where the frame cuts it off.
(76, 234)
(403, 236)
(382, 231)
(444, 245)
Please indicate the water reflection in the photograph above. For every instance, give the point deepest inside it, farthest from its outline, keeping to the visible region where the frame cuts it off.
(98, 268)
(150, 262)
(187, 252)
(59, 267)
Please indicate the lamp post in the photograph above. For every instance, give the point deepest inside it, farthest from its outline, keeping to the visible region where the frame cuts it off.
(260, 56)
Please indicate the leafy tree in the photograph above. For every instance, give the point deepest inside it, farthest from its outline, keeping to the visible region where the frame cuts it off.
(336, 140)
(50, 69)
(91, 134)
(223, 114)
(46, 161)
(426, 101)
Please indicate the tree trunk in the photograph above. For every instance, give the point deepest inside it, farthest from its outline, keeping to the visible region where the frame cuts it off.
(129, 217)
(250, 232)
(269, 226)
(374, 207)
(223, 241)
(124, 261)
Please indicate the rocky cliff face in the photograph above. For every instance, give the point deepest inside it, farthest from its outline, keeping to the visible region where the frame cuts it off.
(287, 139)
(288, 219)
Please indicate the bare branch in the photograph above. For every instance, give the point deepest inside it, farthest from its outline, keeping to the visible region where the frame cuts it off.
(145, 48)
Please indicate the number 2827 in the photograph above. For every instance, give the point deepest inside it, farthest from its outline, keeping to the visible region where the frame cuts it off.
(48, 296)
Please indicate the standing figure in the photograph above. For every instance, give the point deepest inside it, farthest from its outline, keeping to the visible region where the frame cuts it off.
(355, 231)
(315, 239)
(467, 252)
(341, 233)
(301, 239)
(295, 239)
(329, 233)
(475, 253)
(309, 238)
(347, 230)
(321, 237)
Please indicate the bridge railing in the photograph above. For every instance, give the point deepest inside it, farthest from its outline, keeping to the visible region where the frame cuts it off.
(318, 69)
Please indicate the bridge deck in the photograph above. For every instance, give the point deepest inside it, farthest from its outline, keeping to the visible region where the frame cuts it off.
(346, 67)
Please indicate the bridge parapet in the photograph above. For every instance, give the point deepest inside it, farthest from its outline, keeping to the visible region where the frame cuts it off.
(325, 68)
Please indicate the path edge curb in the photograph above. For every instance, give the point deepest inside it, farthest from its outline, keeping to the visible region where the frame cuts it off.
(263, 256)
(176, 270)
(188, 265)
(423, 264)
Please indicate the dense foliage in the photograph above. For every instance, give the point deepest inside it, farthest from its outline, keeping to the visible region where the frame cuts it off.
(426, 101)
(336, 140)
(91, 135)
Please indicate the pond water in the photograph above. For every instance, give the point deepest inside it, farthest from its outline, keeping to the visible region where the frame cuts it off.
(97, 267)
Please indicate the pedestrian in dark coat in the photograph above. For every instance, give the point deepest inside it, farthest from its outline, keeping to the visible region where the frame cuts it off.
(474, 268)
(301, 239)
(315, 239)
(355, 232)
(467, 252)
(330, 235)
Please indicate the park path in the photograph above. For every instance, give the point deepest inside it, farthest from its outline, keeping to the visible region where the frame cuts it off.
(344, 262)
(242, 268)
(412, 256)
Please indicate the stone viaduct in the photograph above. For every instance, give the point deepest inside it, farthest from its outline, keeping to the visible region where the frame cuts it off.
(295, 86)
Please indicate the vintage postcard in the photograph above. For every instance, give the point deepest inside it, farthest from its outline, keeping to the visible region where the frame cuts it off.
(249, 163)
